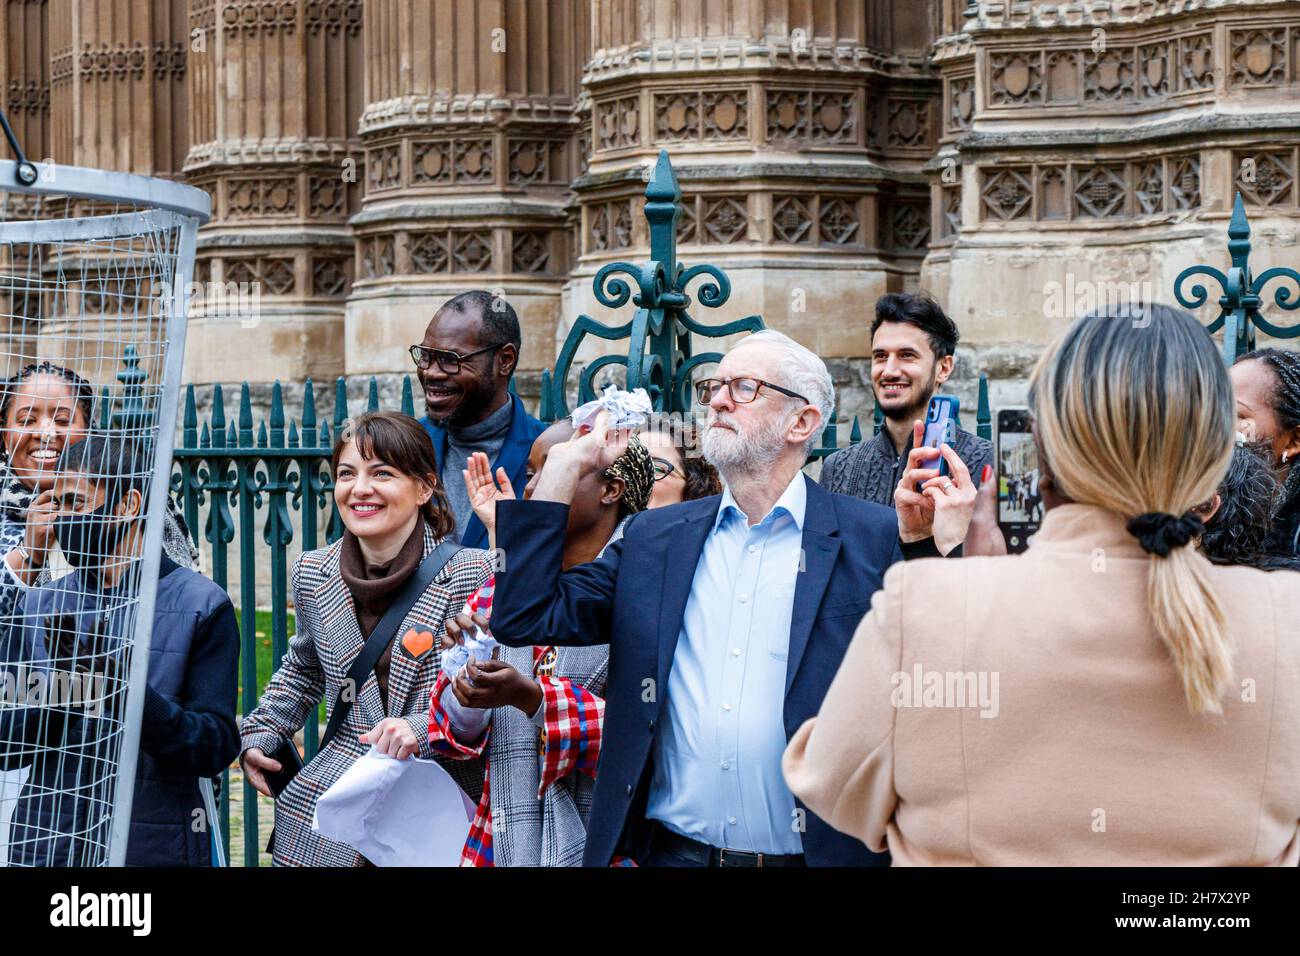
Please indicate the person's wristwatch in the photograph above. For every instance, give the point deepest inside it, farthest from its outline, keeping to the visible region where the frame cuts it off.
(26, 555)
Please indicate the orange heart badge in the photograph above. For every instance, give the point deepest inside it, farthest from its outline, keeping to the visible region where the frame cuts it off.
(417, 643)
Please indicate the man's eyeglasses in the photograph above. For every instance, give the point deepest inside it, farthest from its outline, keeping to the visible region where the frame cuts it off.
(663, 468)
(447, 360)
(742, 390)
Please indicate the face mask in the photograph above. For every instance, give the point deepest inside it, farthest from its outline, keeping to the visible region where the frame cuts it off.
(88, 539)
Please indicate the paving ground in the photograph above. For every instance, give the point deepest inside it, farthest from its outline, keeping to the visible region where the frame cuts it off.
(265, 816)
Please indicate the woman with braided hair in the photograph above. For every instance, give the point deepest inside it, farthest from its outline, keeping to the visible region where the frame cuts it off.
(535, 713)
(1266, 384)
(1146, 701)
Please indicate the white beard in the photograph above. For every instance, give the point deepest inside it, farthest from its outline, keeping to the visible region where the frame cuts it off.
(741, 451)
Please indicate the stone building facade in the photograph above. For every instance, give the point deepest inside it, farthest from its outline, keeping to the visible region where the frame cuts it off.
(366, 160)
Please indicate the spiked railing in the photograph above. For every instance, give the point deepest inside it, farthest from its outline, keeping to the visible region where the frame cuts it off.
(1243, 293)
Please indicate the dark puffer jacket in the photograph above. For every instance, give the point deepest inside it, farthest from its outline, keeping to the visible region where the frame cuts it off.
(188, 732)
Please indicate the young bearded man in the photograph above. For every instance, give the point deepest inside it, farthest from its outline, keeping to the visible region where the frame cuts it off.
(912, 346)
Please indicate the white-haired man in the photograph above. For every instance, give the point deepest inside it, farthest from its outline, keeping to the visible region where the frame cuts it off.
(727, 618)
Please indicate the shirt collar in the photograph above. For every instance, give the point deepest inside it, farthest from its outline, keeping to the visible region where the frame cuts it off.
(793, 501)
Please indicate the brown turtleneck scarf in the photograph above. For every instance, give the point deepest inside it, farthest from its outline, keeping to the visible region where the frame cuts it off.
(374, 587)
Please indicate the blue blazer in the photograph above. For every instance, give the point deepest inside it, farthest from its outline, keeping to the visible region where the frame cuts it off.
(634, 597)
(513, 457)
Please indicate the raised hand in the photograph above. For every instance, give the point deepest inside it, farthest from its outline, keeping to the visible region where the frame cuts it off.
(954, 497)
(915, 510)
(985, 536)
(590, 451)
(39, 532)
(484, 491)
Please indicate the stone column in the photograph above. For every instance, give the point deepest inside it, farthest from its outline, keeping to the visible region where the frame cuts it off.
(469, 132)
(275, 96)
(25, 96)
(117, 70)
(109, 95)
(1091, 152)
(799, 132)
(25, 71)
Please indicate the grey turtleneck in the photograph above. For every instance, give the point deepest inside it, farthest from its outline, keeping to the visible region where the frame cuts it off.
(487, 436)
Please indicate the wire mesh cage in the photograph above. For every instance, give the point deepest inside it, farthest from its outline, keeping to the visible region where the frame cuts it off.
(94, 272)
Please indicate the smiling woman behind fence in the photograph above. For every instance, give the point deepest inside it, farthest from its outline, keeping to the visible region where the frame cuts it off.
(1132, 703)
(399, 555)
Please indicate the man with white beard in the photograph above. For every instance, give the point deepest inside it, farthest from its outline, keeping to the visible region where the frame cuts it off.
(727, 616)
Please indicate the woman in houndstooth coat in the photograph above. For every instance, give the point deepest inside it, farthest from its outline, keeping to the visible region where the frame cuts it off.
(386, 489)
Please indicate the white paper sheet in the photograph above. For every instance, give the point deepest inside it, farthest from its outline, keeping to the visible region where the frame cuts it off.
(397, 812)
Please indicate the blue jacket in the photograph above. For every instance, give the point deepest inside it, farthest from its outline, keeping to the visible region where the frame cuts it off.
(513, 457)
(188, 730)
(634, 597)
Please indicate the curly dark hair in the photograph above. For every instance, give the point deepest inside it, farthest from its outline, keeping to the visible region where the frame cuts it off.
(920, 310)
(701, 479)
(1237, 532)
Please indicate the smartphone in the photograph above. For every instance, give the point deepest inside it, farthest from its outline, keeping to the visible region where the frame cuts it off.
(940, 427)
(1020, 502)
(290, 763)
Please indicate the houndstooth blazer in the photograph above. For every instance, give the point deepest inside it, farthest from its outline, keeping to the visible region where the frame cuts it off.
(327, 641)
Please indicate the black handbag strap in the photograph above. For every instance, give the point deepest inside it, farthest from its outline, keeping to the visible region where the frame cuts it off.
(385, 631)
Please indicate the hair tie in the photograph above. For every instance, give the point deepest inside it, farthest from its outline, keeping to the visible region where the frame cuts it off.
(1160, 533)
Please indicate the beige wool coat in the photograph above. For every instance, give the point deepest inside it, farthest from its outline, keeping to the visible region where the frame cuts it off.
(1088, 754)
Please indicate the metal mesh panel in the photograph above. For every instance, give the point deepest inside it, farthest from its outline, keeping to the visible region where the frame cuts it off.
(93, 276)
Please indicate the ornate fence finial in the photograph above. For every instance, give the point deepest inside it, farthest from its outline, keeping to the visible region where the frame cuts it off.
(659, 355)
(133, 414)
(1239, 314)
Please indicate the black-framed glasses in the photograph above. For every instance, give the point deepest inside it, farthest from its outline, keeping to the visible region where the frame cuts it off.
(663, 467)
(742, 390)
(447, 360)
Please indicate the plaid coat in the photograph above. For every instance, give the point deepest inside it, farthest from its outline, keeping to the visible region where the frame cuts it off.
(327, 641)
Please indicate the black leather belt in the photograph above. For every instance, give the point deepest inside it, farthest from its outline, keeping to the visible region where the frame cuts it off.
(705, 854)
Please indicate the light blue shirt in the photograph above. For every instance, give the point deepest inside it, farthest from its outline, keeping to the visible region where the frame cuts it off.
(717, 775)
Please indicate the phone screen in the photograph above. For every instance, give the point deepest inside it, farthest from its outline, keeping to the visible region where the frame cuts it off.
(1020, 502)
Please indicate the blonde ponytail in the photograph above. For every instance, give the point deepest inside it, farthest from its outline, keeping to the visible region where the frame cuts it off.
(1189, 619)
(1137, 418)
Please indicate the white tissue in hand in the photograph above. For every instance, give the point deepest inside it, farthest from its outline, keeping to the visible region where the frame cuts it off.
(626, 409)
(478, 645)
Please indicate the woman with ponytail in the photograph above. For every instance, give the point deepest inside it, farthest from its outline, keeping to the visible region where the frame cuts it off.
(1108, 698)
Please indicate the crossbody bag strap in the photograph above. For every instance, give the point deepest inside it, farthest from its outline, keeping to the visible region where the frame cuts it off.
(385, 631)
